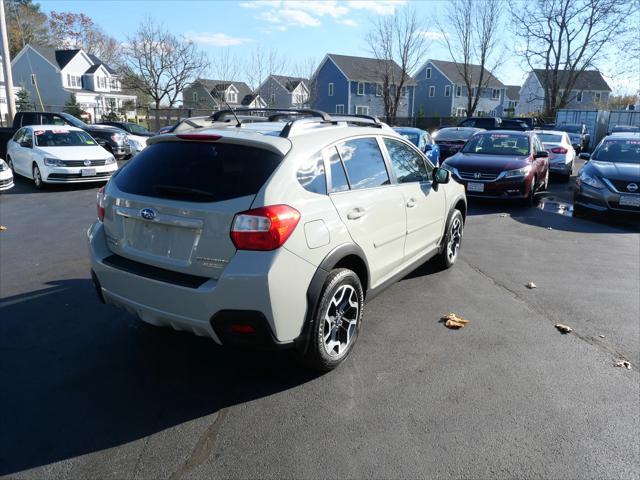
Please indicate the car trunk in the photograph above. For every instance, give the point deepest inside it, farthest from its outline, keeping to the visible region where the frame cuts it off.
(172, 207)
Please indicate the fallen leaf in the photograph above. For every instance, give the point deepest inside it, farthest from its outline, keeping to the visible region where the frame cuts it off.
(531, 285)
(451, 320)
(564, 328)
(601, 336)
(624, 363)
(2, 228)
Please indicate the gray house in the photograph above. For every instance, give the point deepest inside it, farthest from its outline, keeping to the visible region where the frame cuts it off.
(442, 91)
(205, 94)
(589, 91)
(280, 91)
(511, 98)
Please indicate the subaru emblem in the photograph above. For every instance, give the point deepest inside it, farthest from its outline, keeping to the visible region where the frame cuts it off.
(148, 213)
(87, 163)
(632, 187)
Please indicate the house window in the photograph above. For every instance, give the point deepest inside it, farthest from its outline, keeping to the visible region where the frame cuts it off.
(360, 88)
(447, 90)
(272, 99)
(458, 90)
(474, 91)
(195, 97)
(115, 85)
(378, 89)
(364, 110)
(74, 81)
(403, 92)
(340, 108)
(495, 94)
(428, 73)
(331, 89)
(232, 97)
(597, 97)
(579, 97)
(460, 112)
(432, 91)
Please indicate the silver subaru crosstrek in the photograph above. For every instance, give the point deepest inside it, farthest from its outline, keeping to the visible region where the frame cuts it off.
(272, 234)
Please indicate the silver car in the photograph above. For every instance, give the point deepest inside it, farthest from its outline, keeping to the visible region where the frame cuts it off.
(272, 234)
(562, 155)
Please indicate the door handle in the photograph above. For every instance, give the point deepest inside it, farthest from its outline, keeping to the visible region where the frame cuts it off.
(411, 203)
(355, 213)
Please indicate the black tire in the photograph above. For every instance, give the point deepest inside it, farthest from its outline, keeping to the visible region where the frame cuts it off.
(318, 354)
(37, 177)
(450, 249)
(10, 165)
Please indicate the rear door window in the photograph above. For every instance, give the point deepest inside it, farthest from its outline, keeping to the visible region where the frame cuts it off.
(364, 163)
(197, 171)
(311, 175)
(339, 182)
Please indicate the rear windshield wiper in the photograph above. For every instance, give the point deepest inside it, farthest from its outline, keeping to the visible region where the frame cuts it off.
(182, 191)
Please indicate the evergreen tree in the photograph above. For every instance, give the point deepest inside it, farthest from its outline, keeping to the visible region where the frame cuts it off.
(23, 101)
(72, 107)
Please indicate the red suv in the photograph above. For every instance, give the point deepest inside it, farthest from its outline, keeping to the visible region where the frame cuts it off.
(502, 164)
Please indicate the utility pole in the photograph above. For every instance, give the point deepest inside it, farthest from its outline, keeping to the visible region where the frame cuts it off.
(6, 65)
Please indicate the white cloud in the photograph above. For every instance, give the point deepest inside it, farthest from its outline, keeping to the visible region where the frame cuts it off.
(431, 35)
(379, 7)
(299, 18)
(216, 39)
(348, 22)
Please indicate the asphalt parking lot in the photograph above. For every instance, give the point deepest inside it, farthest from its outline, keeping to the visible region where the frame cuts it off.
(88, 390)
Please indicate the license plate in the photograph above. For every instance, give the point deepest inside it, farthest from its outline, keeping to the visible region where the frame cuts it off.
(475, 187)
(630, 201)
(88, 172)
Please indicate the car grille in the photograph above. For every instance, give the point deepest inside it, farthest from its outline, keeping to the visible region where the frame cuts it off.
(65, 176)
(628, 208)
(80, 163)
(5, 182)
(621, 185)
(481, 177)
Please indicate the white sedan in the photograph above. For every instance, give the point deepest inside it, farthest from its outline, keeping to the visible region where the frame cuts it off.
(562, 155)
(6, 176)
(58, 154)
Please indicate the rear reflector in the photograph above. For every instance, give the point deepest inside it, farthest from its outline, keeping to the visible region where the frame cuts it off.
(199, 138)
(559, 150)
(100, 197)
(264, 228)
(242, 328)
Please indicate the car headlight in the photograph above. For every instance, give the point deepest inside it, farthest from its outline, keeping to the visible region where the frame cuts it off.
(53, 162)
(591, 181)
(520, 172)
(110, 160)
(3, 166)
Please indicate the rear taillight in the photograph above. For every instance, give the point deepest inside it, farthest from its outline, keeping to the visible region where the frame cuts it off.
(264, 228)
(100, 198)
(559, 150)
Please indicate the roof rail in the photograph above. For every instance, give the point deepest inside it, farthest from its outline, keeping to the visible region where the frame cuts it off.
(357, 119)
(299, 111)
(333, 120)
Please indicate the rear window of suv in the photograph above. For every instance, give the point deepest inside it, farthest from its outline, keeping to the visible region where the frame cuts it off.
(197, 171)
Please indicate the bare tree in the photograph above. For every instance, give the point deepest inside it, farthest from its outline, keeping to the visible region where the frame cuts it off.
(398, 43)
(225, 66)
(160, 65)
(470, 33)
(567, 37)
(305, 68)
(262, 63)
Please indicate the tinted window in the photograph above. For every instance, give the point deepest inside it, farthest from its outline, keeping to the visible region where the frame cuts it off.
(451, 134)
(407, 164)
(364, 163)
(627, 151)
(339, 181)
(28, 119)
(412, 137)
(62, 138)
(200, 172)
(311, 175)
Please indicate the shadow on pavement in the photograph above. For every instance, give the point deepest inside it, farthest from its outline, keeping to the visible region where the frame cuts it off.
(98, 378)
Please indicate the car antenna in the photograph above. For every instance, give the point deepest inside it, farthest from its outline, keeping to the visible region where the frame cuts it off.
(239, 124)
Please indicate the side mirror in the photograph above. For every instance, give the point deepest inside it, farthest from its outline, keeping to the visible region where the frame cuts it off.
(428, 147)
(584, 156)
(440, 175)
(541, 154)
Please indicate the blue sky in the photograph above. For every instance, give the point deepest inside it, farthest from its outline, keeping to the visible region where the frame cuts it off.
(297, 29)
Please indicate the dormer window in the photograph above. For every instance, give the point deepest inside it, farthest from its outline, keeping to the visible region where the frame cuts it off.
(115, 84)
(231, 96)
(74, 81)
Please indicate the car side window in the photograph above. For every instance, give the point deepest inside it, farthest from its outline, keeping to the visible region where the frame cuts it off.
(18, 135)
(311, 175)
(339, 182)
(364, 163)
(407, 164)
(27, 138)
(468, 123)
(428, 139)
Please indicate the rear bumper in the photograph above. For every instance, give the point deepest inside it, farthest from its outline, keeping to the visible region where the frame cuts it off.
(561, 168)
(260, 284)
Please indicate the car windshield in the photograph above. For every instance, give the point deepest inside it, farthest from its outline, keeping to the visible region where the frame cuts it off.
(623, 151)
(135, 128)
(571, 128)
(498, 144)
(550, 138)
(453, 134)
(63, 138)
(74, 121)
(625, 128)
(412, 137)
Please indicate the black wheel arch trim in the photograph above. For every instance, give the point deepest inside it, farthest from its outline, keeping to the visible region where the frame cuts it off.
(450, 214)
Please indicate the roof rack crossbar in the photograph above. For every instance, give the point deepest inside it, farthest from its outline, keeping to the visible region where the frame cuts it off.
(300, 111)
(333, 120)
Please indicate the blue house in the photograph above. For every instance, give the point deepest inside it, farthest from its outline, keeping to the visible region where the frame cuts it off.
(442, 91)
(354, 85)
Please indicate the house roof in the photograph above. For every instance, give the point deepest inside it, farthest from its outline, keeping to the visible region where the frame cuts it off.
(452, 71)
(249, 98)
(93, 68)
(513, 92)
(290, 83)
(62, 57)
(587, 80)
(216, 86)
(365, 69)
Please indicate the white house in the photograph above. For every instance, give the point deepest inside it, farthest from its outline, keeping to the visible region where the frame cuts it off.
(280, 91)
(51, 76)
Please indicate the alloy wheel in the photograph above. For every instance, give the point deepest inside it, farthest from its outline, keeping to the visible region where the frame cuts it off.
(455, 238)
(37, 178)
(341, 320)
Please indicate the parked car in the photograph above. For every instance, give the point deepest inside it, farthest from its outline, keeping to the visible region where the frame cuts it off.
(137, 134)
(512, 124)
(578, 134)
(272, 235)
(451, 139)
(423, 141)
(506, 165)
(58, 154)
(562, 156)
(624, 129)
(166, 129)
(114, 140)
(610, 180)
(6, 176)
(532, 122)
(486, 123)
